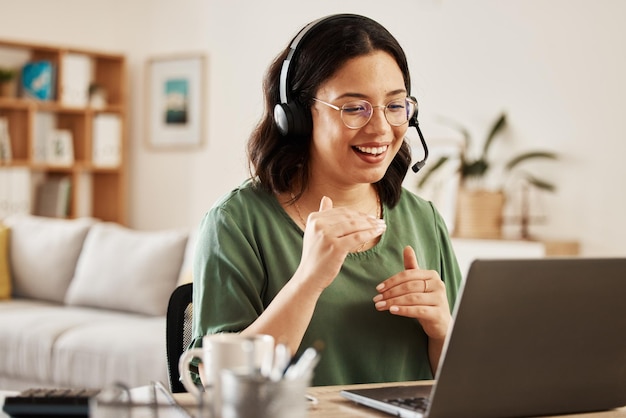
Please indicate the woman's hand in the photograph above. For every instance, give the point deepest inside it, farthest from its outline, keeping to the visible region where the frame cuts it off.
(416, 293)
(329, 236)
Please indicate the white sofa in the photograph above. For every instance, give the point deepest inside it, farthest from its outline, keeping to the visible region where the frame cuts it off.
(85, 301)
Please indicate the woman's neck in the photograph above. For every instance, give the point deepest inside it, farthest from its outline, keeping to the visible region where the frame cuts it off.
(363, 198)
(359, 197)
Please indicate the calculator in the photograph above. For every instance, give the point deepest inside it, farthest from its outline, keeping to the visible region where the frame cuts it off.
(49, 402)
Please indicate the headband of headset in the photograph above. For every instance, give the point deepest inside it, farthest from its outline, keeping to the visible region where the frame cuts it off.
(292, 120)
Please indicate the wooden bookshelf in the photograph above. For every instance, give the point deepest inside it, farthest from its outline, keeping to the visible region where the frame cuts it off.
(96, 190)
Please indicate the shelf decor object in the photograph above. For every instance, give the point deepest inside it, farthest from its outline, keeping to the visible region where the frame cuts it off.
(38, 80)
(60, 148)
(175, 101)
(8, 82)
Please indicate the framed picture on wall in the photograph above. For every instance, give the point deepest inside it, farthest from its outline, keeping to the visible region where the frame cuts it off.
(175, 87)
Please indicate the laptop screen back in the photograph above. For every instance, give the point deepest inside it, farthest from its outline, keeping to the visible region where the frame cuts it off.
(535, 337)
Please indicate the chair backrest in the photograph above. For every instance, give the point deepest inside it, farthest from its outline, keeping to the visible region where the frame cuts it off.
(178, 331)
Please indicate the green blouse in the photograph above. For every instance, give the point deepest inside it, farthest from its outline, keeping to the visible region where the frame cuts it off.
(248, 247)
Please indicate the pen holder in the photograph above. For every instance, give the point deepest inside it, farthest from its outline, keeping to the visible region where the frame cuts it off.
(247, 395)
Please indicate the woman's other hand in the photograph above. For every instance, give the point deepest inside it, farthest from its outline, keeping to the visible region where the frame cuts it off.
(416, 293)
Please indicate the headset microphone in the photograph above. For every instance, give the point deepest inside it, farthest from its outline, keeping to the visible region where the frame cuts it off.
(413, 122)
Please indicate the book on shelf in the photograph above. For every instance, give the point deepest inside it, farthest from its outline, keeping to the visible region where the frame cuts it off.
(83, 188)
(5, 141)
(15, 190)
(53, 197)
(44, 123)
(75, 79)
(107, 141)
(38, 80)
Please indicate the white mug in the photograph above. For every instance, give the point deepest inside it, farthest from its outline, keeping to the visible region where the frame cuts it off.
(226, 351)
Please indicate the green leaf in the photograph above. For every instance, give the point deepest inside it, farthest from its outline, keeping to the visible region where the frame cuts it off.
(529, 155)
(430, 169)
(475, 169)
(495, 129)
(541, 184)
(7, 74)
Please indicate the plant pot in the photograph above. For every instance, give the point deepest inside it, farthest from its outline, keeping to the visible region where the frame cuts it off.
(479, 214)
(8, 88)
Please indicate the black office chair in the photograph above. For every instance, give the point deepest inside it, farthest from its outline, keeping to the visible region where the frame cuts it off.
(178, 331)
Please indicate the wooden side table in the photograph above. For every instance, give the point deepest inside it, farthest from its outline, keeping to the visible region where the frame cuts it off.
(555, 248)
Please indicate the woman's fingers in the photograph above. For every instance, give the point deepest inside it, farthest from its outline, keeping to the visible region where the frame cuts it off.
(330, 234)
(410, 259)
(344, 226)
(326, 203)
(416, 293)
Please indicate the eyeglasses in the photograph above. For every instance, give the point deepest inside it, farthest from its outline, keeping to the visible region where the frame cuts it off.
(358, 113)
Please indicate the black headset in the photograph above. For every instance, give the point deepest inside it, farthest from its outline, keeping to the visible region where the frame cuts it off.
(293, 119)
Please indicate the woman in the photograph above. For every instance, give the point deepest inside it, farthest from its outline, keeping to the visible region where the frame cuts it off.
(323, 244)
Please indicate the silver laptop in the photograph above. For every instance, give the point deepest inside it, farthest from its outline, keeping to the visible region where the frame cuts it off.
(530, 337)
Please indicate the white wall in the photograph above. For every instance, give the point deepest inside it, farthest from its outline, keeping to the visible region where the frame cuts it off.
(556, 67)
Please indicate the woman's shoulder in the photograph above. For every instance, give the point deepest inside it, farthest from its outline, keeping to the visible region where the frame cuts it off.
(422, 212)
(243, 196)
(412, 202)
(244, 205)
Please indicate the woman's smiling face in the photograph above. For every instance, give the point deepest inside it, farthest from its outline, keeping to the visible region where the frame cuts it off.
(347, 156)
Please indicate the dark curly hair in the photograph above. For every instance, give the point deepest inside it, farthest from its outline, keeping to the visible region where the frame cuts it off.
(278, 162)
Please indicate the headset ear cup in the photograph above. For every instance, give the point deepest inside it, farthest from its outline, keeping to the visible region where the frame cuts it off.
(281, 119)
(292, 120)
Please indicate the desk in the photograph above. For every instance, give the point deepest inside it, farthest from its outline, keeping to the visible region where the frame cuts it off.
(332, 405)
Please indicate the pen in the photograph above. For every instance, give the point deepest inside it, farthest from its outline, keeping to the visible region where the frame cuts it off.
(305, 364)
(281, 360)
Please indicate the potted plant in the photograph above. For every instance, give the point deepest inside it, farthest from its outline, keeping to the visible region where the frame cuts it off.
(7, 77)
(479, 209)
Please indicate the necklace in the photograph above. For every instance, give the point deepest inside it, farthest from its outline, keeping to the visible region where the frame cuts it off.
(295, 204)
(360, 247)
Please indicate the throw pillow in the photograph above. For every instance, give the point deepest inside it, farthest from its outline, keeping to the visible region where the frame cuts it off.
(127, 270)
(43, 254)
(5, 272)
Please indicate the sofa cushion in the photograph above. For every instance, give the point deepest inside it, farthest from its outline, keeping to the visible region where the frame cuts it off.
(80, 347)
(5, 272)
(89, 356)
(127, 270)
(28, 333)
(43, 254)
